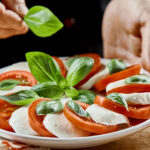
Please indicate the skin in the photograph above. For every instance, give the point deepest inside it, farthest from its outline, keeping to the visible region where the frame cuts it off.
(126, 31)
(11, 18)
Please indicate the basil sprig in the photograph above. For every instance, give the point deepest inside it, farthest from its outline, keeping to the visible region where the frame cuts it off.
(85, 96)
(75, 107)
(116, 65)
(47, 107)
(23, 97)
(138, 79)
(10, 84)
(42, 22)
(71, 60)
(51, 83)
(116, 97)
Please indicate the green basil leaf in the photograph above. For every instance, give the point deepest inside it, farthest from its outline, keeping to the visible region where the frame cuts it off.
(42, 22)
(48, 89)
(71, 60)
(75, 107)
(62, 82)
(71, 92)
(138, 79)
(23, 97)
(85, 96)
(116, 65)
(9, 84)
(116, 97)
(43, 67)
(79, 69)
(47, 107)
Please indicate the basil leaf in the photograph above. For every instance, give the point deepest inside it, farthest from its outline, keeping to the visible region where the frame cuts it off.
(43, 66)
(116, 65)
(138, 79)
(79, 69)
(118, 98)
(42, 22)
(71, 60)
(47, 107)
(85, 96)
(75, 107)
(71, 92)
(48, 89)
(23, 97)
(9, 84)
(62, 82)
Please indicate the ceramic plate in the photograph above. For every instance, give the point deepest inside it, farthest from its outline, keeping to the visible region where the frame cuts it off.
(81, 142)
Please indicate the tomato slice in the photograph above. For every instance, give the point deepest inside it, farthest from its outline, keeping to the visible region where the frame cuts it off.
(19, 75)
(142, 112)
(6, 110)
(36, 121)
(87, 124)
(130, 71)
(96, 67)
(131, 88)
(61, 65)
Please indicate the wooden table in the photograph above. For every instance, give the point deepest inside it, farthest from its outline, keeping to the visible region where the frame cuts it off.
(137, 141)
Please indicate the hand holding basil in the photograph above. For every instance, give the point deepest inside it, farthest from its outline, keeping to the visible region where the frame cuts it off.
(42, 22)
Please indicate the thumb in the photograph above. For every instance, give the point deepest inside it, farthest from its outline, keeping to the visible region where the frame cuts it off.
(18, 6)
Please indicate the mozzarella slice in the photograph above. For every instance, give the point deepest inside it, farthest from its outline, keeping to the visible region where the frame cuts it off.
(18, 66)
(104, 116)
(58, 125)
(65, 100)
(15, 89)
(137, 98)
(115, 84)
(19, 122)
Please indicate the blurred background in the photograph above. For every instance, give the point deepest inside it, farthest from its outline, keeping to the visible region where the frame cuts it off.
(82, 21)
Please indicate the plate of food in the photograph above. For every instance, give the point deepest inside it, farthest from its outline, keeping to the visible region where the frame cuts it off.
(72, 102)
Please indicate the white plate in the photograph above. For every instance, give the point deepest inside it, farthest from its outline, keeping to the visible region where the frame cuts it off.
(81, 142)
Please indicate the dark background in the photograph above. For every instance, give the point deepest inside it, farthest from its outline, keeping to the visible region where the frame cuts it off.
(81, 33)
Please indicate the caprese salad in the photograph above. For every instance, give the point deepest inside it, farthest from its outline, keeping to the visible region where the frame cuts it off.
(53, 97)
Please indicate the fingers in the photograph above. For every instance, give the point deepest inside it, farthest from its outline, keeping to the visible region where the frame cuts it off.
(6, 33)
(10, 23)
(17, 6)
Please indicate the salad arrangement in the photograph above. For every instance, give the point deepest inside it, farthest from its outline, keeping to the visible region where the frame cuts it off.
(54, 99)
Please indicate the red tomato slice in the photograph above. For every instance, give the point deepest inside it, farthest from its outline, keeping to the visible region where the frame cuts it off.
(6, 110)
(142, 112)
(61, 66)
(87, 124)
(131, 88)
(19, 75)
(133, 70)
(36, 121)
(96, 67)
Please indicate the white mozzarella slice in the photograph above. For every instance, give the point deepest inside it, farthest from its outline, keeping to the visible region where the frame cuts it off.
(115, 84)
(15, 89)
(98, 76)
(18, 66)
(58, 125)
(137, 98)
(104, 116)
(65, 100)
(20, 123)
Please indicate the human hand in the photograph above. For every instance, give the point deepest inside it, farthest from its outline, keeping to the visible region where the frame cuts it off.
(126, 31)
(11, 14)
